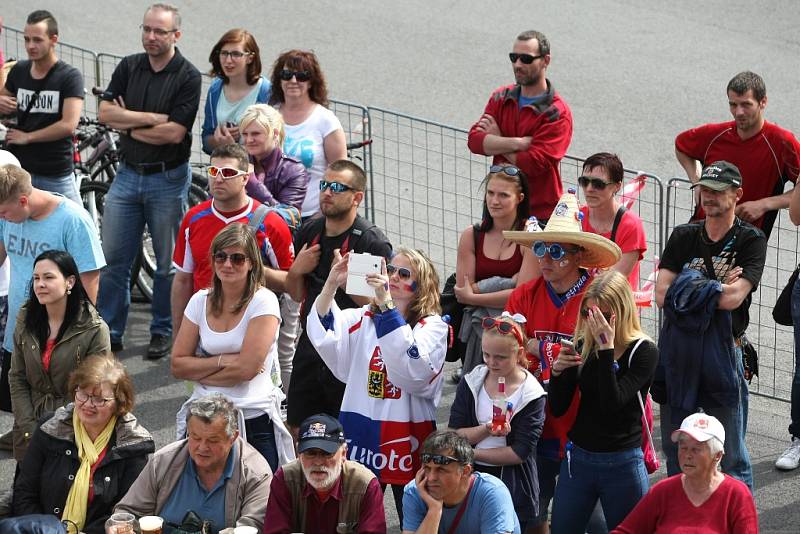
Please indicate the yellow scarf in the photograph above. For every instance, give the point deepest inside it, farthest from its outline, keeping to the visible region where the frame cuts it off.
(88, 452)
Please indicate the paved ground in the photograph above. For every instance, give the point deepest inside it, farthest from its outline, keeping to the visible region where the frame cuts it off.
(634, 74)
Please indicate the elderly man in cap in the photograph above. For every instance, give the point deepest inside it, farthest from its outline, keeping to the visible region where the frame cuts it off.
(707, 274)
(551, 303)
(322, 491)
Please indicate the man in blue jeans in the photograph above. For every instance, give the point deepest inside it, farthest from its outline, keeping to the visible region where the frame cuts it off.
(152, 99)
(790, 459)
(701, 371)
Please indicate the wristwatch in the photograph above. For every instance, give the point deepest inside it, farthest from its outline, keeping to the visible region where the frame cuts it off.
(386, 306)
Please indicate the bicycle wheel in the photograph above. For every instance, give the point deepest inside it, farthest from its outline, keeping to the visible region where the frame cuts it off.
(147, 258)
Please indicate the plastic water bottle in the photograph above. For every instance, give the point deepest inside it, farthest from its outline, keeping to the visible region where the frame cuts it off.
(500, 406)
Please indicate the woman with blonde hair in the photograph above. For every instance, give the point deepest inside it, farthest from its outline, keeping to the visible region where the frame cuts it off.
(238, 83)
(508, 450)
(276, 179)
(226, 344)
(390, 355)
(612, 364)
(83, 459)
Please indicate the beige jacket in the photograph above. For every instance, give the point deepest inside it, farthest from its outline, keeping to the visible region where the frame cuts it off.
(246, 492)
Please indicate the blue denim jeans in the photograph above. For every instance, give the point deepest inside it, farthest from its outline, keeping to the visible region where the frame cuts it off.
(617, 479)
(794, 427)
(547, 470)
(66, 185)
(736, 460)
(261, 435)
(158, 200)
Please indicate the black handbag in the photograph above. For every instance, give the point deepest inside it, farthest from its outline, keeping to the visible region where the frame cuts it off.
(455, 311)
(191, 524)
(782, 312)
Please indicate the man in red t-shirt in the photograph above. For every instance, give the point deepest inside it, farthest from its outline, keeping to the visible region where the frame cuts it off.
(551, 304)
(527, 124)
(230, 204)
(767, 155)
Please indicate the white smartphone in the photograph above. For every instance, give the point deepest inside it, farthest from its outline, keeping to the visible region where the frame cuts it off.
(358, 267)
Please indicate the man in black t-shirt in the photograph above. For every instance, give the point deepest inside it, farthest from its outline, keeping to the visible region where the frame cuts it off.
(46, 96)
(313, 389)
(736, 251)
(152, 99)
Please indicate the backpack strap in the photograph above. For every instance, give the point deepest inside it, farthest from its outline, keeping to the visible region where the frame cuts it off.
(617, 219)
(258, 216)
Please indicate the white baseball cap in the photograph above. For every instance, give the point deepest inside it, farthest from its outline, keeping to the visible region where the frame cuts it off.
(701, 427)
(7, 158)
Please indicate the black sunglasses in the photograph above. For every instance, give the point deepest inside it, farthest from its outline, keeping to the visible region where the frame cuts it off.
(301, 75)
(402, 272)
(336, 187)
(509, 170)
(237, 258)
(526, 59)
(438, 459)
(597, 183)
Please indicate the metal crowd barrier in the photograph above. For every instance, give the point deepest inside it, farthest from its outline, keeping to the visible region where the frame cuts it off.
(775, 343)
(425, 189)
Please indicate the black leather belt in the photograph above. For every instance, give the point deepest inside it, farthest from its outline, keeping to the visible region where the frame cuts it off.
(154, 167)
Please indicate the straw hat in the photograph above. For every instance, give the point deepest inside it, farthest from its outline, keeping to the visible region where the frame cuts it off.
(564, 226)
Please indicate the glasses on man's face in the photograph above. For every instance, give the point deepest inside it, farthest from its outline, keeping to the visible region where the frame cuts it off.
(526, 59)
(94, 400)
(336, 187)
(508, 170)
(504, 327)
(300, 75)
(158, 32)
(555, 251)
(597, 183)
(233, 54)
(237, 258)
(438, 459)
(224, 173)
(402, 272)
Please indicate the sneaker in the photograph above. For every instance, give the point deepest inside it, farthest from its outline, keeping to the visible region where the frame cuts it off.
(116, 346)
(160, 345)
(790, 458)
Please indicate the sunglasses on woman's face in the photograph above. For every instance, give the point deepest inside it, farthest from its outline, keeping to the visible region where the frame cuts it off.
(504, 327)
(224, 173)
(555, 251)
(300, 75)
(597, 183)
(402, 272)
(237, 258)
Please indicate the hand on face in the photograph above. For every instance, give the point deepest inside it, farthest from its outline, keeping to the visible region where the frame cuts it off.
(421, 480)
(601, 329)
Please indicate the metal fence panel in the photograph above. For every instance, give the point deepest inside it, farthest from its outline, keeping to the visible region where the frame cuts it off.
(775, 343)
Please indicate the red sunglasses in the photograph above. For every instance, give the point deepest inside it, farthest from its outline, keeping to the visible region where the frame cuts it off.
(503, 327)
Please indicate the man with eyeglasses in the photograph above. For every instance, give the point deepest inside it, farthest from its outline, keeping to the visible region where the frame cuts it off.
(313, 388)
(45, 95)
(551, 303)
(527, 124)
(448, 496)
(767, 155)
(227, 177)
(322, 491)
(152, 99)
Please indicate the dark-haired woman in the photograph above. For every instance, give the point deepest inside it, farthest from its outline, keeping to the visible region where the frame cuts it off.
(238, 84)
(489, 266)
(56, 329)
(314, 134)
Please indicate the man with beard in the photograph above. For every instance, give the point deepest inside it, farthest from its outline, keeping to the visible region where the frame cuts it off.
(152, 99)
(313, 389)
(527, 124)
(707, 274)
(46, 97)
(322, 491)
(767, 155)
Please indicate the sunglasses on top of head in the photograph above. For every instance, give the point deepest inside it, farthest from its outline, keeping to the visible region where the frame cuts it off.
(597, 183)
(555, 251)
(336, 187)
(237, 258)
(300, 75)
(508, 170)
(402, 272)
(225, 173)
(504, 327)
(526, 59)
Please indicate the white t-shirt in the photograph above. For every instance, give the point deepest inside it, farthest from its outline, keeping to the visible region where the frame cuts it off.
(484, 415)
(212, 343)
(305, 142)
(5, 275)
